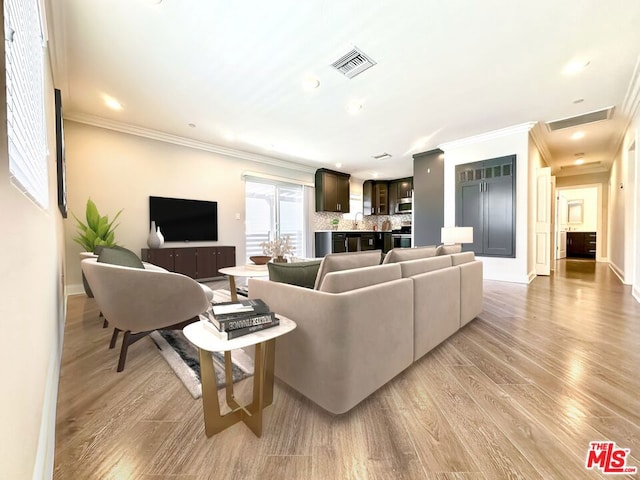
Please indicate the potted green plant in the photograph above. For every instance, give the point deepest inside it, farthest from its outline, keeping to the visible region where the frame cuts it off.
(98, 230)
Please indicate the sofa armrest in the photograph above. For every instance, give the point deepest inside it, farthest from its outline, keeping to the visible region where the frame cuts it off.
(471, 293)
(346, 345)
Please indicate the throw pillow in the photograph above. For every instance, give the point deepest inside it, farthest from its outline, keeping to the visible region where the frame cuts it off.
(302, 274)
(120, 256)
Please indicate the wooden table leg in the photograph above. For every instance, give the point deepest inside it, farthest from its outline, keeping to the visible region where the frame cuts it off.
(232, 286)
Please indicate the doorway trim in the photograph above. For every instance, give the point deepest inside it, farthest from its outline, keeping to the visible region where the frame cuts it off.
(600, 255)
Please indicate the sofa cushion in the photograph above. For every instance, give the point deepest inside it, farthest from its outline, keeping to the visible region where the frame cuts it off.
(412, 268)
(347, 280)
(119, 256)
(464, 257)
(335, 262)
(403, 254)
(448, 249)
(302, 274)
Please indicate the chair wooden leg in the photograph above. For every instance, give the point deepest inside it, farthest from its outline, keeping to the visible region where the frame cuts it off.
(114, 338)
(105, 324)
(129, 339)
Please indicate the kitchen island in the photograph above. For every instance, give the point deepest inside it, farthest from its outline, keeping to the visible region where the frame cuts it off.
(337, 241)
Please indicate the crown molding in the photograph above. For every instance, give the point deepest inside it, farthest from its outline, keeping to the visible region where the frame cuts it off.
(483, 137)
(537, 135)
(630, 108)
(96, 121)
(631, 102)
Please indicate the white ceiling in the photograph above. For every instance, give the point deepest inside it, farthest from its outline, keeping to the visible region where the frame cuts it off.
(445, 70)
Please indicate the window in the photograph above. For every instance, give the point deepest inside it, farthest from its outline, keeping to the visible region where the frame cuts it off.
(355, 206)
(273, 209)
(25, 99)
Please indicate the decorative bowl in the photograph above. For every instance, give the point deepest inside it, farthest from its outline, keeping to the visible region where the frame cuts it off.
(260, 259)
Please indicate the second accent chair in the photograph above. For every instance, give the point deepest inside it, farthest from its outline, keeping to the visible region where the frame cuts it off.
(139, 300)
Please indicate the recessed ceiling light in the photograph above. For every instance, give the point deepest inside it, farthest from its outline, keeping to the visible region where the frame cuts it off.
(374, 174)
(354, 106)
(310, 83)
(338, 165)
(575, 66)
(577, 136)
(579, 161)
(112, 103)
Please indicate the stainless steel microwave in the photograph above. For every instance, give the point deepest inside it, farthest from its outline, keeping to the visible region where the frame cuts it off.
(404, 205)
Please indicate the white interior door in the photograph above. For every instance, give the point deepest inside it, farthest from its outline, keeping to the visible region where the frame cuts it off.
(561, 226)
(543, 222)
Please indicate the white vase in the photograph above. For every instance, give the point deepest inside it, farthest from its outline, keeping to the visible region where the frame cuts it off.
(155, 239)
(160, 236)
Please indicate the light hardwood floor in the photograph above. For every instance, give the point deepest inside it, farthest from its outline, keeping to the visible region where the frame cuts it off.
(518, 393)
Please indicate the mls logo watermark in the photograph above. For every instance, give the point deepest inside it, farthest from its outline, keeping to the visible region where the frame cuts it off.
(608, 458)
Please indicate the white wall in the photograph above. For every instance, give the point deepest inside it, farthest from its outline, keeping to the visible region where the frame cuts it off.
(600, 180)
(32, 313)
(509, 141)
(120, 171)
(589, 196)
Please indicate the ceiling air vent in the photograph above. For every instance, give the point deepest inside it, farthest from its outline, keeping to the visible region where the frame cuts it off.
(353, 63)
(382, 156)
(590, 117)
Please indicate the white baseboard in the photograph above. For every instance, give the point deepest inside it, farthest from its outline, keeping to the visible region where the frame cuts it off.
(618, 271)
(532, 275)
(75, 289)
(635, 293)
(43, 467)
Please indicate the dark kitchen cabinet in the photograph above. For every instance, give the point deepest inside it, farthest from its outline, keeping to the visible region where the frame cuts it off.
(194, 262)
(375, 197)
(400, 195)
(327, 242)
(581, 244)
(485, 200)
(332, 191)
(368, 241)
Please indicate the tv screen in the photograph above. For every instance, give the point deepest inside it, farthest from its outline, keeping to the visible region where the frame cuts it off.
(182, 220)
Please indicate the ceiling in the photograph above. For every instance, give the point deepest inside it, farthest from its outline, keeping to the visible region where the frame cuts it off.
(445, 70)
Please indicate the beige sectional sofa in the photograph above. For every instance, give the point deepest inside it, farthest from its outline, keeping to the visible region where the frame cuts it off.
(364, 323)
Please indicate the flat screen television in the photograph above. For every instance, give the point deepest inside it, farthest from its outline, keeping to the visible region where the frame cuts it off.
(182, 220)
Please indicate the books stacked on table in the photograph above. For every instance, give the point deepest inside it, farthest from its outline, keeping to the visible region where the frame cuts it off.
(230, 320)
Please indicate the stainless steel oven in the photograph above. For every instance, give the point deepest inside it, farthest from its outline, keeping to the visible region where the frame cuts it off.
(402, 237)
(401, 240)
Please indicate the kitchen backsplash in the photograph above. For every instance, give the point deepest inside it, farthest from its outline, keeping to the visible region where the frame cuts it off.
(322, 221)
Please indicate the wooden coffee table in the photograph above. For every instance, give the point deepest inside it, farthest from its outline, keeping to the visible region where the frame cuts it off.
(265, 345)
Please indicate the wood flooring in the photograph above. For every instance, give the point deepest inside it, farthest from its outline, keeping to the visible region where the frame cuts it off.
(518, 393)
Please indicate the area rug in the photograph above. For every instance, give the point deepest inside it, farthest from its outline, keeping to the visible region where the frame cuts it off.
(183, 358)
